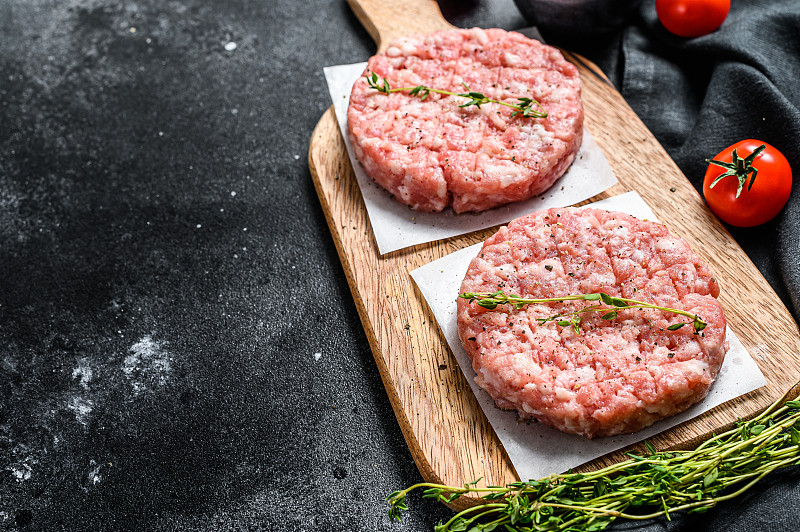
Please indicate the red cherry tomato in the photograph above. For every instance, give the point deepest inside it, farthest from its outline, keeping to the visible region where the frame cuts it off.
(692, 18)
(751, 185)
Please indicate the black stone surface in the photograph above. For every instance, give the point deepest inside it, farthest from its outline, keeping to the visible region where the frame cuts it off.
(179, 349)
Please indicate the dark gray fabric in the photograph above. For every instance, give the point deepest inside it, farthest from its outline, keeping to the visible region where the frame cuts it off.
(699, 96)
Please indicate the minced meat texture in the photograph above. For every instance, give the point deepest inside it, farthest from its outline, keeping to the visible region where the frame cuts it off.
(431, 153)
(615, 376)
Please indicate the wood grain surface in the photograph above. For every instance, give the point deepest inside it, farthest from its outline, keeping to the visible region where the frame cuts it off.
(446, 431)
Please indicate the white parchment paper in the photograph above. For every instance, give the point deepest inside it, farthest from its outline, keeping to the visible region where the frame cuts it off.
(395, 226)
(537, 450)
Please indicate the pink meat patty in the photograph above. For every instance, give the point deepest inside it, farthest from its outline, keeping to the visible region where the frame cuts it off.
(431, 153)
(615, 376)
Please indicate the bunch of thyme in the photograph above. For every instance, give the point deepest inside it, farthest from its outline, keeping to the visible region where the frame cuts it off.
(526, 107)
(642, 487)
(609, 307)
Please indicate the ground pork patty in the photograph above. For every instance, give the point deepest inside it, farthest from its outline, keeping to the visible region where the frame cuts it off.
(615, 376)
(430, 153)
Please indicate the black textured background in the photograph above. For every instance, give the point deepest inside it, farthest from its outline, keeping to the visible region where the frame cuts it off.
(178, 346)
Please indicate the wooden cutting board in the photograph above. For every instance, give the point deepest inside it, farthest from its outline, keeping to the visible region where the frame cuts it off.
(446, 431)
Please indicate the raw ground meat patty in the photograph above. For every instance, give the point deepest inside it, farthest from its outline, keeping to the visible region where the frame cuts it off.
(431, 153)
(615, 376)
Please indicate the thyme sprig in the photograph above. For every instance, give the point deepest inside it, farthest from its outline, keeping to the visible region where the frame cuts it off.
(642, 487)
(527, 107)
(609, 305)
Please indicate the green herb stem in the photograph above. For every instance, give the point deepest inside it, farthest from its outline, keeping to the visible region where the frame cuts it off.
(526, 107)
(722, 468)
(490, 301)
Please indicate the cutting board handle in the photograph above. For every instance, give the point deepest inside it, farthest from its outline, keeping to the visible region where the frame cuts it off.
(386, 20)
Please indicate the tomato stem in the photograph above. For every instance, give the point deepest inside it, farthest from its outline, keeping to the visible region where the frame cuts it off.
(739, 168)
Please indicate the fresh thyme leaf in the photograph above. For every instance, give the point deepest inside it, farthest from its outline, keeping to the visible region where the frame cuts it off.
(459, 526)
(420, 91)
(709, 479)
(642, 487)
(452, 497)
(515, 510)
(526, 107)
(490, 301)
(698, 324)
(600, 488)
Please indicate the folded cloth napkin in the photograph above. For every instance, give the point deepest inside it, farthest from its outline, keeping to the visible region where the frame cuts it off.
(699, 96)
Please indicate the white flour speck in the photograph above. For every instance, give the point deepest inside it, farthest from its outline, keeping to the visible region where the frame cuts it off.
(199, 226)
(231, 46)
(148, 362)
(83, 372)
(317, 356)
(21, 472)
(233, 192)
(8, 363)
(296, 157)
(82, 408)
(94, 474)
